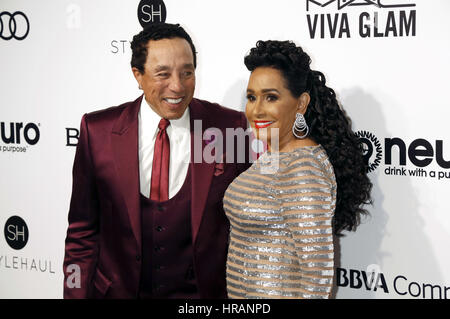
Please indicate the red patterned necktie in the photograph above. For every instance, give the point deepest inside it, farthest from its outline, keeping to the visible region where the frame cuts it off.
(159, 189)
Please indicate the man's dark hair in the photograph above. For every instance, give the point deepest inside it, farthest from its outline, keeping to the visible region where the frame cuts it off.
(157, 31)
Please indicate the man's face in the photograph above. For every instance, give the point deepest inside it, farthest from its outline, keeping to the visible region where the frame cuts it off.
(169, 78)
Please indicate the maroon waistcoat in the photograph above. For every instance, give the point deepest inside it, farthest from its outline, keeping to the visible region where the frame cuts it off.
(167, 265)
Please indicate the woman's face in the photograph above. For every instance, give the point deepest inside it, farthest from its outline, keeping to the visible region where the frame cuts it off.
(270, 105)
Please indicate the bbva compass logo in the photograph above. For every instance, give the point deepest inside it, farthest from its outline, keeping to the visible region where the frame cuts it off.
(14, 25)
(372, 151)
(151, 11)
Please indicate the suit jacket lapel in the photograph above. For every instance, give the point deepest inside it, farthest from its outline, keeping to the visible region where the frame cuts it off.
(125, 151)
(202, 172)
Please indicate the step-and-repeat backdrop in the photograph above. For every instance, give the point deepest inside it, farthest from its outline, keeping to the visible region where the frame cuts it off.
(388, 61)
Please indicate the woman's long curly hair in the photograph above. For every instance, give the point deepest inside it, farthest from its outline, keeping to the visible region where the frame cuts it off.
(328, 124)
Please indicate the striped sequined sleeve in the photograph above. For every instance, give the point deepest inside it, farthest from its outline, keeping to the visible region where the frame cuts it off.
(307, 194)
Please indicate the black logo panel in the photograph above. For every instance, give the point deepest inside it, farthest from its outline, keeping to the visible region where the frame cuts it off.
(16, 232)
(151, 11)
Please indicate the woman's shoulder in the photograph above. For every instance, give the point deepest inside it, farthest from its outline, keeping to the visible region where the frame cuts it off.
(308, 155)
(305, 159)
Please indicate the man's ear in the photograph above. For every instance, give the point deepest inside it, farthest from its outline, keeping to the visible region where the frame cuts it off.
(138, 76)
(303, 102)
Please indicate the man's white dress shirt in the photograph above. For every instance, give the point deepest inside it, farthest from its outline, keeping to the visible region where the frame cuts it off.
(179, 132)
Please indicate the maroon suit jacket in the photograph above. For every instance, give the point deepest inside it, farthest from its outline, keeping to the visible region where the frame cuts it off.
(104, 237)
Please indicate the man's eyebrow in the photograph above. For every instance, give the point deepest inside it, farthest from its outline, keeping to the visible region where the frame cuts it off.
(159, 68)
(188, 66)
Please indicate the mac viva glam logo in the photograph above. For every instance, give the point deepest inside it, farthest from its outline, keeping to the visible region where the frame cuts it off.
(361, 18)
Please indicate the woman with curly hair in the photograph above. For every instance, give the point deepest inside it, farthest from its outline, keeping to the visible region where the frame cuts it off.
(283, 220)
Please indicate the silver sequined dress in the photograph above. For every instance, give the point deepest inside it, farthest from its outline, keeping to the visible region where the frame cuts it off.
(281, 241)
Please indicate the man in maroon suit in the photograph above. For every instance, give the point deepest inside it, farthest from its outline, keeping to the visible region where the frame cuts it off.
(146, 219)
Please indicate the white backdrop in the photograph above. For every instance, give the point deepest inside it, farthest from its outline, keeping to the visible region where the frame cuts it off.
(75, 59)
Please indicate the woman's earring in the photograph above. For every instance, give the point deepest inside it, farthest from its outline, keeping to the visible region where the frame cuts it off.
(140, 87)
(300, 126)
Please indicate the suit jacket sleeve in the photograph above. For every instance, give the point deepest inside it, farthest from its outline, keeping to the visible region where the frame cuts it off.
(82, 234)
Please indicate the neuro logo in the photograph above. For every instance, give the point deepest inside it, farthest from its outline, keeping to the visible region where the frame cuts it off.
(16, 232)
(372, 151)
(14, 25)
(14, 134)
(30, 132)
(151, 11)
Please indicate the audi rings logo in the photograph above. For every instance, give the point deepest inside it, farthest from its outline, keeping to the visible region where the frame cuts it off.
(14, 25)
(372, 151)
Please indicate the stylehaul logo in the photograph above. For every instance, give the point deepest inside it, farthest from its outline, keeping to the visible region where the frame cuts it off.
(363, 18)
(16, 232)
(148, 12)
(372, 279)
(151, 11)
(412, 159)
(17, 137)
(17, 235)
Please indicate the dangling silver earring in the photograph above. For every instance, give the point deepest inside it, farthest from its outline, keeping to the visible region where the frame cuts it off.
(140, 87)
(300, 126)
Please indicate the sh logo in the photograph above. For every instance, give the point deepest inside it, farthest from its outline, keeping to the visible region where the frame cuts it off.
(151, 11)
(16, 232)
